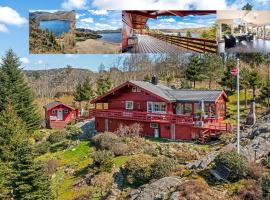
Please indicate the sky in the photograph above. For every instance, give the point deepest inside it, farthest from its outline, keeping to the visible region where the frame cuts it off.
(175, 22)
(14, 24)
(99, 19)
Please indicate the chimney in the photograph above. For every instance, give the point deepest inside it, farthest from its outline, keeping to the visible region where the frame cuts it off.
(154, 80)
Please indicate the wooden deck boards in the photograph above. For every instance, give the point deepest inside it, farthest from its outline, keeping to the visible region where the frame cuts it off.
(148, 44)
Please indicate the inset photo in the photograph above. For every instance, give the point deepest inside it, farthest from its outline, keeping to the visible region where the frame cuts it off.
(51, 32)
(169, 31)
(98, 31)
(243, 31)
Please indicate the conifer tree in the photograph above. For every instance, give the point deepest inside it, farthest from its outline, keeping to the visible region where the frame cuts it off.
(265, 91)
(16, 90)
(227, 80)
(194, 69)
(104, 84)
(88, 92)
(29, 181)
(5, 187)
(12, 133)
(78, 94)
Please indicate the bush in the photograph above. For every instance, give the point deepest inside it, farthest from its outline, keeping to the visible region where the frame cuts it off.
(103, 160)
(103, 182)
(227, 138)
(162, 167)
(119, 149)
(50, 166)
(151, 150)
(250, 190)
(73, 132)
(265, 161)
(237, 163)
(38, 135)
(57, 136)
(133, 130)
(42, 148)
(256, 171)
(59, 146)
(104, 140)
(138, 170)
(265, 184)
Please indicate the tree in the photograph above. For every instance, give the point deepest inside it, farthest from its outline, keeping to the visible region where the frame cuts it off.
(12, 132)
(227, 80)
(188, 34)
(78, 94)
(212, 67)
(204, 34)
(244, 84)
(104, 84)
(247, 7)
(88, 92)
(265, 91)
(5, 188)
(15, 89)
(194, 69)
(29, 181)
(254, 59)
(254, 81)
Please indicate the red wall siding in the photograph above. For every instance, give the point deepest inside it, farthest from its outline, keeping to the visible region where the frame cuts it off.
(165, 131)
(183, 132)
(127, 30)
(66, 116)
(139, 99)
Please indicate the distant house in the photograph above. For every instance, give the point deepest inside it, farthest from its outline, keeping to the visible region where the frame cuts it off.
(58, 115)
(162, 112)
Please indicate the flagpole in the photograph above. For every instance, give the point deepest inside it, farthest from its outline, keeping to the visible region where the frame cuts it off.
(238, 109)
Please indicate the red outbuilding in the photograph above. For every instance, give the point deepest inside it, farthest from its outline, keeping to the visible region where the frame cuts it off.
(162, 112)
(58, 115)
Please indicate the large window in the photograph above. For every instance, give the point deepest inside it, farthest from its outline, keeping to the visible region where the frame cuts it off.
(188, 108)
(156, 107)
(129, 105)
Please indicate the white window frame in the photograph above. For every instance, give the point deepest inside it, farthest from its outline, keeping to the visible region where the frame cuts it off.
(156, 107)
(66, 111)
(53, 112)
(136, 89)
(127, 103)
(153, 125)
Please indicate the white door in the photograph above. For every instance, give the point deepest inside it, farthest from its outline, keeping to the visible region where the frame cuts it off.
(156, 133)
(60, 115)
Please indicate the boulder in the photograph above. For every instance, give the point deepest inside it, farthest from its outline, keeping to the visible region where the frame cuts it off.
(156, 190)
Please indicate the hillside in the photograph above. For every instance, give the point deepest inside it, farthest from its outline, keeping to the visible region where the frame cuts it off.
(193, 30)
(59, 15)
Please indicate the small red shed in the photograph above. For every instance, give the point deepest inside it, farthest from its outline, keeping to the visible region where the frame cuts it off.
(58, 115)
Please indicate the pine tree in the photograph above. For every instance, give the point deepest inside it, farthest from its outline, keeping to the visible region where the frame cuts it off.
(254, 81)
(228, 80)
(188, 34)
(5, 187)
(12, 132)
(88, 92)
(78, 94)
(265, 91)
(194, 69)
(29, 181)
(104, 84)
(16, 91)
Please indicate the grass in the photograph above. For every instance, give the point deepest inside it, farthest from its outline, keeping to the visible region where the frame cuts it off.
(120, 161)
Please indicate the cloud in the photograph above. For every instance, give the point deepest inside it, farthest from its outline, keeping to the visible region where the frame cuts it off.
(1, 61)
(39, 62)
(99, 12)
(24, 60)
(160, 4)
(3, 28)
(79, 15)
(87, 20)
(71, 55)
(10, 16)
(170, 20)
(74, 4)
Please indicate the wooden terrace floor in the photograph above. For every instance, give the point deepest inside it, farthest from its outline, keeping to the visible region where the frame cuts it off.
(148, 44)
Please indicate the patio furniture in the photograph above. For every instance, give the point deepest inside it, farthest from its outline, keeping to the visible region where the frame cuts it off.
(230, 41)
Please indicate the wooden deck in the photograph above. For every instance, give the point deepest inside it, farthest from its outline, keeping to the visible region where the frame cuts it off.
(149, 44)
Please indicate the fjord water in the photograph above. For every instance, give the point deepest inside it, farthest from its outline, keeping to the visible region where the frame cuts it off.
(56, 26)
(111, 37)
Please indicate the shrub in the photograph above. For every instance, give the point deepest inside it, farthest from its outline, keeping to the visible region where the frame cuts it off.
(237, 163)
(256, 171)
(138, 170)
(38, 135)
(103, 182)
(265, 184)
(57, 136)
(227, 138)
(265, 161)
(151, 150)
(104, 140)
(119, 149)
(103, 160)
(162, 167)
(250, 190)
(42, 148)
(133, 130)
(59, 146)
(50, 166)
(73, 132)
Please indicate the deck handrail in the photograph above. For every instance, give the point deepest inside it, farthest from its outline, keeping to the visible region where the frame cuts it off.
(201, 45)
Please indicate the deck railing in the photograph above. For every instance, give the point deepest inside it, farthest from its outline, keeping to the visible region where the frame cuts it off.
(200, 45)
(142, 116)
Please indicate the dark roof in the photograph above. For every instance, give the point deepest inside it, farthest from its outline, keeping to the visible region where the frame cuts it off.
(180, 95)
(54, 104)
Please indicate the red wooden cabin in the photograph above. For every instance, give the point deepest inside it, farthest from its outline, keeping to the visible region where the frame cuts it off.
(58, 115)
(162, 111)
